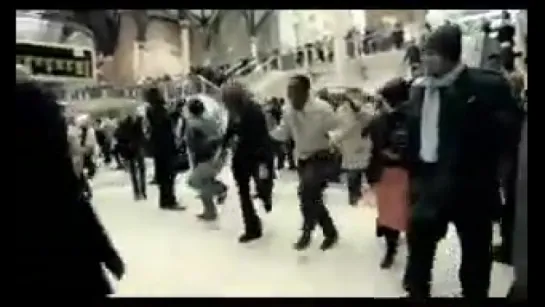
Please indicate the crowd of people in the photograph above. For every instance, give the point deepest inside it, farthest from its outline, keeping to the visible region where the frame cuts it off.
(440, 148)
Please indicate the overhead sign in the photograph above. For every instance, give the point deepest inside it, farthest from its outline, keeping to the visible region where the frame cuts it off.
(51, 61)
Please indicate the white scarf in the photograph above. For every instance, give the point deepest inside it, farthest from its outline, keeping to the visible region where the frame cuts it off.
(429, 127)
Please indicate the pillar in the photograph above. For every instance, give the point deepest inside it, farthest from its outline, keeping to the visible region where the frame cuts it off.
(185, 46)
(339, 44)
(139, 56)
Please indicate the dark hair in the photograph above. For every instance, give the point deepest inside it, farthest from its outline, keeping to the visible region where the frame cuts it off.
(446, 40)
(195, 107)
(395, 91)
(154, 96)
(303, 80)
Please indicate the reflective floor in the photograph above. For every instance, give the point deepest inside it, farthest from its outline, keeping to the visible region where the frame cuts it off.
(174, 254)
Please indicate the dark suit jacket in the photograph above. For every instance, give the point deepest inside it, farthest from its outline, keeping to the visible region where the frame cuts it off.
(477, 124)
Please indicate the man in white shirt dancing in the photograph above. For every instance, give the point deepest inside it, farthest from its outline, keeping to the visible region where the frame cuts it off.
(308, 120)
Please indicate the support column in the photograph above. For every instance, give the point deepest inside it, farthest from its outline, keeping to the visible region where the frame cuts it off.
(185, 46)
(138, 61)
(339, 44)
(253, 47)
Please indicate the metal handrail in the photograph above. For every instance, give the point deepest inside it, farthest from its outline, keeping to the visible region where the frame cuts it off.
(172, 90)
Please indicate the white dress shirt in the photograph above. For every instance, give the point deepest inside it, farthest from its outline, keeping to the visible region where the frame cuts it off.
(308, 127)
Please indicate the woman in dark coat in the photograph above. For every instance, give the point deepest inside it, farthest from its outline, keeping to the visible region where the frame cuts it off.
(61, 245)
(386, 172)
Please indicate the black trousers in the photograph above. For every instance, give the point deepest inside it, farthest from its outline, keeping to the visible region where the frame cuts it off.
(354, 180)
(137, 170)
(508, 209)
(165, 180)
(475, 234)
(243, 172)
(314, 174)
(90, 165)
(290, 147)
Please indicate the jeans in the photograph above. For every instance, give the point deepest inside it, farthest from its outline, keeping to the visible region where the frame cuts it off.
(203, 179)
(137, 170)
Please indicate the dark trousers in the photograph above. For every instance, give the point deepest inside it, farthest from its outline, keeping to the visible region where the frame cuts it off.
(165, 179)
(475, 234)
(137, 170)
(243, 172)
(90, 165)
(314, 174)
(508, 209)
(116, 153)
(354, 178)
(290, 147)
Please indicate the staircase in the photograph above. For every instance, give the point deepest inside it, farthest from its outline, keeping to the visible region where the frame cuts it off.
(367, 72)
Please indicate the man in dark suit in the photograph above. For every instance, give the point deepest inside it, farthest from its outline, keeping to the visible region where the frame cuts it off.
(461, 121)
(253, 155)
(164, 149)
(131, 141)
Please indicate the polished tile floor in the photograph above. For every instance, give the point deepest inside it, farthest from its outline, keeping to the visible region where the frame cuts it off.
(174, 254)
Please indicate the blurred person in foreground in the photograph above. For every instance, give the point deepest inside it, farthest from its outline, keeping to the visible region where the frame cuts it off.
(461, 121)
(519, 288)
(163, 149)
(62, 244)
(253, 155)
(387, 171)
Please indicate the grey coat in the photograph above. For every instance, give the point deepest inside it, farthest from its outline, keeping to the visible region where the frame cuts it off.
(520, 237)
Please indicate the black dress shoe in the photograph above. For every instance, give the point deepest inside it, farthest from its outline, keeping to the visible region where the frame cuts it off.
(267, 204)
(248, 237)
(388, 261)
(329, 242)
(303, 242)
(173, 208)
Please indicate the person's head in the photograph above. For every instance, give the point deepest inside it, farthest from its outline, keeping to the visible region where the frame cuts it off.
(442, 50)
(234, 96)
(154, 97)
(485, 26)
(298, 91)
(281, 101)
(505, 16)
(395, 92)
(196, 107)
